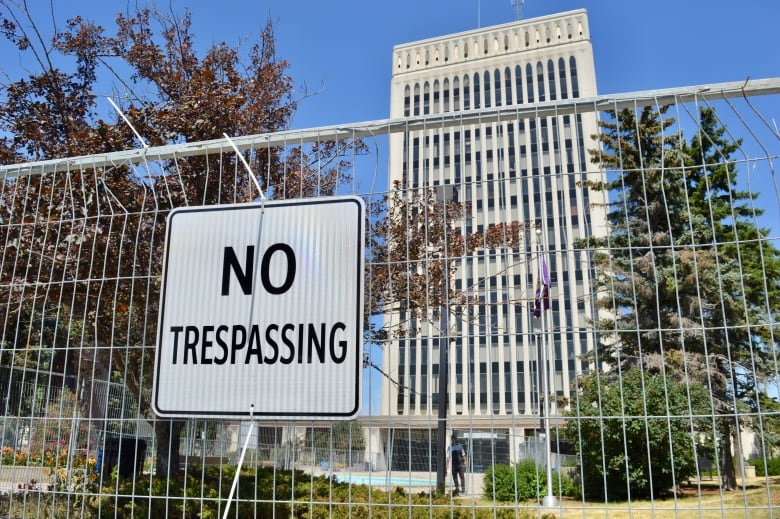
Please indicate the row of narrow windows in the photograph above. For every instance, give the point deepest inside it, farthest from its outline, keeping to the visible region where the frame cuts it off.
(416, 390)
(516, 85)
(548, 35)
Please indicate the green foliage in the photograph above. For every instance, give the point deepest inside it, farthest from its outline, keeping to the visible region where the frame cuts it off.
(525, 480)
(341, 435)
(684, 283)
(269, 492)
(770, 468)
(639, 435)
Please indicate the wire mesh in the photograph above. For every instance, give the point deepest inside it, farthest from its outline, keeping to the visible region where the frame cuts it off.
(642, 371)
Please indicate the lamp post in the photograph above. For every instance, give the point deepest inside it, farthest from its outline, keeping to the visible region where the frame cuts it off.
(443, 194)
(441, 467)
(549, 500)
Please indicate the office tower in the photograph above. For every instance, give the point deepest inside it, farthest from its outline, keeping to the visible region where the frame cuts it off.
(521, 168)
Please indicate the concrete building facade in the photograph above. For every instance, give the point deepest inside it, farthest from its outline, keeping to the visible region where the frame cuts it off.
(521, 169)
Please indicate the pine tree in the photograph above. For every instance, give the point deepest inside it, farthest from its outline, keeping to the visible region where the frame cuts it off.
(682, 277)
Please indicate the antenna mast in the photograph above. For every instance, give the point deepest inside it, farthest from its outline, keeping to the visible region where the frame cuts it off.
(518, 5)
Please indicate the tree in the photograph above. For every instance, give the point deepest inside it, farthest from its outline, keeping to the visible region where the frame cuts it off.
(415, 244)
(744, 262)
(110, 222)
(82, 251)
(673, 279)
(343, 436)
(638, 434)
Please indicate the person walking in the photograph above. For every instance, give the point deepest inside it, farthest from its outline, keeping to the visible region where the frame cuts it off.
(456, 458)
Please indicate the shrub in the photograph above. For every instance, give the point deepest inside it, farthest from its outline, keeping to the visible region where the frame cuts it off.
(265, 492)
(645, 455)
(770, 468)
(526, 481)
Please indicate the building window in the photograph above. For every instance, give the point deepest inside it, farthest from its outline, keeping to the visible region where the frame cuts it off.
(540, 80)
(486, 89)
(426, 99)
(511, 149)
(446, 92)
(551, 79)
(575, 89)
(407, 100)
(508, 85)
(562, 78)
(416, 100)
(455, 94)
(529, 82)
(466, 93)
(545, 138)
(519, 84)
(497, 86)
(476, 91)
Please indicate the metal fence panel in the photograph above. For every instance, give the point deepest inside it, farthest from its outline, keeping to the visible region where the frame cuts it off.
(600, 298)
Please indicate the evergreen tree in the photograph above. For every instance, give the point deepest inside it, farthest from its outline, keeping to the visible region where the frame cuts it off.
(745, 298)
(674, 275)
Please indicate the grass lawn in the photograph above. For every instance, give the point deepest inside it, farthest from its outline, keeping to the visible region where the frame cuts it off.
(757, 500)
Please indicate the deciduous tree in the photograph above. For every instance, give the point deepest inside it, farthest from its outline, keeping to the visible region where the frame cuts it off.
(82, 249)
(638, 434)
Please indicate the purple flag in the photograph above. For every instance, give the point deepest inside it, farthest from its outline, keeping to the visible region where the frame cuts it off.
(542, 289)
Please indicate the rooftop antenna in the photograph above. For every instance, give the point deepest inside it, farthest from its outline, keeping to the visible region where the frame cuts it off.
(518, 5)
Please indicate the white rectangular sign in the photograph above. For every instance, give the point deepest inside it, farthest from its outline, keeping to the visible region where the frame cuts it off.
(262, 306)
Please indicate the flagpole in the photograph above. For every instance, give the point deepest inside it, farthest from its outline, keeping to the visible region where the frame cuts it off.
(549, 500)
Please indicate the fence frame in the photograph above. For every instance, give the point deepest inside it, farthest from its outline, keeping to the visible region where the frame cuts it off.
(711, 91)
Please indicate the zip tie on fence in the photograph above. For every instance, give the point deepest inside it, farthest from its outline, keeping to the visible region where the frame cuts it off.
(127, 121)
(246, 165)
(241, 459)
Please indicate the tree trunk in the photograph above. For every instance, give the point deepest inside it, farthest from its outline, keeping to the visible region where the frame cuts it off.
(167, 433)
(728, 478)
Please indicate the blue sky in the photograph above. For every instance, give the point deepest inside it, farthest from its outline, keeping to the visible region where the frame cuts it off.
(346, 45)
(638, 45)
